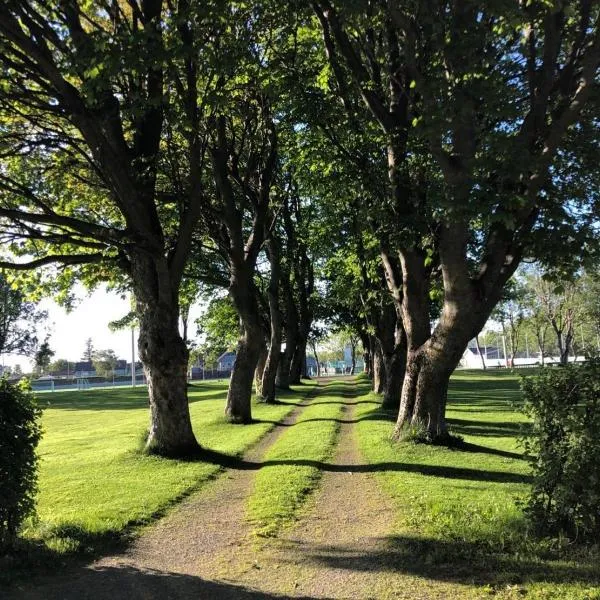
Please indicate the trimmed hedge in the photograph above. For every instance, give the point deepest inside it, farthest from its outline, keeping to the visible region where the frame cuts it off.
(20, 433)
(564, 449)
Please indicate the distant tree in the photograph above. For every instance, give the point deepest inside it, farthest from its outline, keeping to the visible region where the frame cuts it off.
(43, 356)
(18, 321)
(58, 365)
(510, 312)
(17, 371)
(88, 353)
(104, 362)
(219, 325)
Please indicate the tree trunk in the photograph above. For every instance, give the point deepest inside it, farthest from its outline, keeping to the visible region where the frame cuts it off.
(238, 408)
(428, 371)
(270, 372)
(314, 349)
(378, 371)
(479, 352)
(239, 395)
(298, 365)
(260, 369)
(395, 369)
(365, 340)
(165, 358)
(291, 337)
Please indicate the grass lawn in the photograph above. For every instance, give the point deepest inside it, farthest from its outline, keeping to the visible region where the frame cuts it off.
(458, 517)
(291, 466)
(95, 485)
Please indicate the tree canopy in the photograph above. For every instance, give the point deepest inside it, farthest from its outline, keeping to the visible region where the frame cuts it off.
(384, 166)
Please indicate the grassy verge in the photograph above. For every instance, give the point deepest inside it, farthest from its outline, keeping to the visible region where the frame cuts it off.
(458, 515)
(95, 487)
(292, 466)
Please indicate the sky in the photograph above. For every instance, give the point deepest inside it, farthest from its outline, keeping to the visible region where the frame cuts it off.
(89, 319)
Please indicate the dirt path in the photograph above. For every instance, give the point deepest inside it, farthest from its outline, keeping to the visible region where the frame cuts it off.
(204, 549)
(165, 562)
(345, 525)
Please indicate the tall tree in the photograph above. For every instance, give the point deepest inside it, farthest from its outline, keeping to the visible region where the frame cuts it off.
(486, 118)
(119, 132)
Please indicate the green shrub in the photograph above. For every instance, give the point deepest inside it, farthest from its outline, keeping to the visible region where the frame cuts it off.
(19, 435)
(563, 445)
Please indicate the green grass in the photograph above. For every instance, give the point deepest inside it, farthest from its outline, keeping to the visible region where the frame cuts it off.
(459, 520)
(95, 486)
(292, 466)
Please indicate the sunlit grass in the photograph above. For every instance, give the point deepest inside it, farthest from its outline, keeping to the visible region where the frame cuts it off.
(94, 483)
(458, 517)
(291, 467)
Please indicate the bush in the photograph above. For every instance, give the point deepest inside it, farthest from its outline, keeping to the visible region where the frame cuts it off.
(564, 450)
(19, 436)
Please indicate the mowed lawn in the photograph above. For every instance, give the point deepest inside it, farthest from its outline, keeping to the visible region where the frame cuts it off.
(459, 521)
(95, 483)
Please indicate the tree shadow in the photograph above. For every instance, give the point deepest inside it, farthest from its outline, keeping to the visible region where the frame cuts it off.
(447, 472)
(486, 428)
(476, 448)
(126, 582)
(456, 561)
(113, 400)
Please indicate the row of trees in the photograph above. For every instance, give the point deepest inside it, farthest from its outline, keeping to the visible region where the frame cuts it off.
(550, 318)
(414, 153)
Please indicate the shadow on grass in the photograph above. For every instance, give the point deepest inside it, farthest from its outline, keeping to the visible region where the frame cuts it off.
(237, 463)
(124, 582)
(454, 561)
(113, 400)
(485, 428)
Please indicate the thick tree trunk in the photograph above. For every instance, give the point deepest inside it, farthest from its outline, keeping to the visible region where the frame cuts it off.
(165, 357)
(425, 389)
(238, 408)
(432, 358)
(378, 371)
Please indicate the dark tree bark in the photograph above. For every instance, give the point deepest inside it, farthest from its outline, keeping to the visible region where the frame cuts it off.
(244, 295)
(164, 355)
(303, 278)
(291, 334)
(259, 372)
(378, 371)
(365, 340)
(394, 361)
(274, 355)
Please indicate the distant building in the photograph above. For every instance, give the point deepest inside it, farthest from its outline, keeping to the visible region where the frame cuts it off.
(226, 361)
(311, 366)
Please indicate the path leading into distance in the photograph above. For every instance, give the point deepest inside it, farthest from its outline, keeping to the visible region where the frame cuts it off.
(205, 549)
